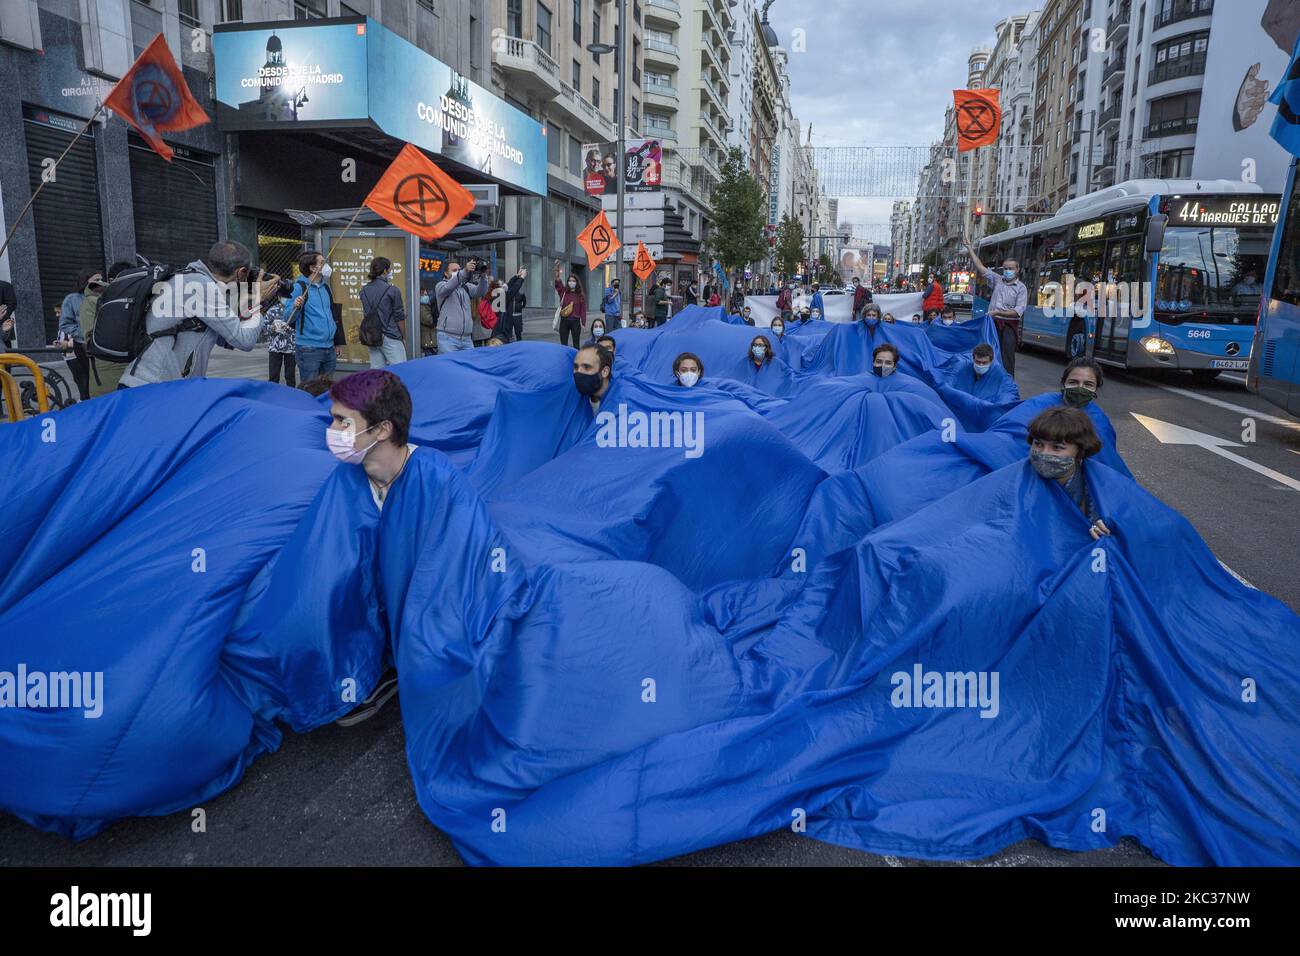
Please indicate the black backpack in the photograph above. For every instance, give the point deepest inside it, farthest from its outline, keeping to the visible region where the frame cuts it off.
(120, 333)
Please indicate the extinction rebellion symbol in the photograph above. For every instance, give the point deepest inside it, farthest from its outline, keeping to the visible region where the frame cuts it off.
(153, 97)
(975, 119)
(600, 240)
(421, 201)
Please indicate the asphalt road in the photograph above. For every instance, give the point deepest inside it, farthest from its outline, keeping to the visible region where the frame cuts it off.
(344, 797)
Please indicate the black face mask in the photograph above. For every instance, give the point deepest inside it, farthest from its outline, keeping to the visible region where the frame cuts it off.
(587, 383)
(1077, 397)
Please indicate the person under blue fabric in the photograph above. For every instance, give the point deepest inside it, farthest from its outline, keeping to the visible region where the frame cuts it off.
(778, 326)
(1080, 382)
(760, 353)
(370, 421)
(1060, 440)
(688, 369)
(607, 343)
(884, 360)
(593, 368)
(817, 305)
(986, 380)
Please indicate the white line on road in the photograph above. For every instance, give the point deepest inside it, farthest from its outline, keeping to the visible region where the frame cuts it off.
(1168, 433)
(1186, 393)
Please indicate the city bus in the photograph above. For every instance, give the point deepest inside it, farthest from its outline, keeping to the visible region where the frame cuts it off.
(1149, 273)
(1275, 354)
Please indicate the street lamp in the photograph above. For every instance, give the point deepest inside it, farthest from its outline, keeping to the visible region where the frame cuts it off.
(620, 61)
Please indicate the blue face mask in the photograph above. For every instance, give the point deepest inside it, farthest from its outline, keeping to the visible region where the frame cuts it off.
(1009, 274)
(983, 369)
(424, 299)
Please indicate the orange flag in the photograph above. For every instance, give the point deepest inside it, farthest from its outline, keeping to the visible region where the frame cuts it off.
(644, 263)
(415, 195)
(599, 240)
(154, 98)
(979, 118)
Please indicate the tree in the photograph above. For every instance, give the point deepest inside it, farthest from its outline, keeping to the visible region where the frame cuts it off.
(739, 213)
(997, 224)
(825, 273)
(789, 245)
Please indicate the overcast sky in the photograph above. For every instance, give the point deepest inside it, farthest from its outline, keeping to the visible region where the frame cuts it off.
(876, 72)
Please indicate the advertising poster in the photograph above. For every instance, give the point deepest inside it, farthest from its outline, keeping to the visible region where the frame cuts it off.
(269, 77)
(351, 262)
(642, 166)
(357, 73)
(1252, 43)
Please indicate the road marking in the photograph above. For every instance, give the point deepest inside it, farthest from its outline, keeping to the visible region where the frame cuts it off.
(1236, 575)
(1186, 393)
(1169, 434)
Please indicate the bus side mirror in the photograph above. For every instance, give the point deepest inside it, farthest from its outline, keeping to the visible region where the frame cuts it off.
(1156, 233)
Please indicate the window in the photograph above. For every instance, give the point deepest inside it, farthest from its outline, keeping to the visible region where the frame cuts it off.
(576, 78)
(636, 114)
(1172, 164)
(475, 38)
(577, 22)
(595, 92)
(515, 18)
(1181, 56)
(575, 156)
(231, 10)
(309, 10)
(595, 26)
(427, 4)
(1174, 114)
(188, 10)
(553, 146)
(544, 27)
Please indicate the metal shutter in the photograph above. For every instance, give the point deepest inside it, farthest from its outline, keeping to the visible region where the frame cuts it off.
(66, 214)
(174, 204)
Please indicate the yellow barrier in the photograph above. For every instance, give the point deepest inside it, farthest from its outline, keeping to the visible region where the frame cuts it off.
(13, 400)
(42, 394)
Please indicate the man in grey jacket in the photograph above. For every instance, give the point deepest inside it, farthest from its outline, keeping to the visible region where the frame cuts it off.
(203, 304)
(455, 317)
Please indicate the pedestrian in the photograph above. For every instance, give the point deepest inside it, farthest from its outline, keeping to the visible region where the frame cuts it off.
(516, 301)
(747, 316)
(612, 306)
(487, 316)
(210, 300)
(737, 303)
(8, 314)
(661, 301)
(785, 298)
(452, 294)
(573, 307)
(104, 374)
(428, 323)
(690, 292)
(597, 330)
(279, 344)
(1007, 301)
(861, 296)
(70, 336)
(933, 300)
(312, 317)
(381, 299)
(817, 304)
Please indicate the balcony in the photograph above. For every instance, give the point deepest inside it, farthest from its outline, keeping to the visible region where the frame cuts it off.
(710, 20)
(707, 55)
(1193, 65)
(1117, 26)
(530, 67)
(708, 162)
(660, 94)
(710, 91)
(1113, 73)
(1171, 127)
(668, 12)
(1182, 10)
(667, 54)
(664, 133)
(1111, 114)
(708, 126)
(581, 109)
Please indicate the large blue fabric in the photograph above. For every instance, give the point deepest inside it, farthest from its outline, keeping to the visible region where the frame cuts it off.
(618, 642)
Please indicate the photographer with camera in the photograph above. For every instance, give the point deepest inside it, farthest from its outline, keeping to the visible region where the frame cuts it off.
(456, 321)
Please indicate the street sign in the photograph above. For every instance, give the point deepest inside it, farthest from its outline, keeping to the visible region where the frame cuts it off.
(628, 251)
(484, 194)
(633, 201)
(647, 234)
(640, 217)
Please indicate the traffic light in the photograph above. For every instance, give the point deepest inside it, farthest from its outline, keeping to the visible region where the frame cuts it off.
(979, 211)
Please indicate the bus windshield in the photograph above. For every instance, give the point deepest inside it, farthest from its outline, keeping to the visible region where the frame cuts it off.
(1219, 269)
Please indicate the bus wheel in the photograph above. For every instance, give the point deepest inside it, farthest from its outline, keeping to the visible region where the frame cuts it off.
(1076, 341)
(1204, 376)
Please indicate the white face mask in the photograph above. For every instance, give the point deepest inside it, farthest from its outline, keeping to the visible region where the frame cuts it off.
(326, 271)
(948, 320)
(758, 351)
(572, 284)
(981, 369)
(597, 330)
(688, 378)
(342, 442)
(779, 329)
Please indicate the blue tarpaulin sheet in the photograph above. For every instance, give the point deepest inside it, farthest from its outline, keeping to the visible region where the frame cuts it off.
(837, 604)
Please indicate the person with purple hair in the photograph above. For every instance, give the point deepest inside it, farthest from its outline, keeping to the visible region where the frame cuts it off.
(370, 427)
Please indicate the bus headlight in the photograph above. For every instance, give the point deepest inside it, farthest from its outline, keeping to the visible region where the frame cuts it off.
(1157, 346)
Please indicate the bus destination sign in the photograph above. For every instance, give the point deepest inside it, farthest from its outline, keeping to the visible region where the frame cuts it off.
(1225, 211)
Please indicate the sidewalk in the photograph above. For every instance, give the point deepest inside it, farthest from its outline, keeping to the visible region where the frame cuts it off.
(231, 363)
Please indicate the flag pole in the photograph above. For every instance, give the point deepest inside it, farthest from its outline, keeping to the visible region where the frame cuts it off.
(339, 237)
(93, 116)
